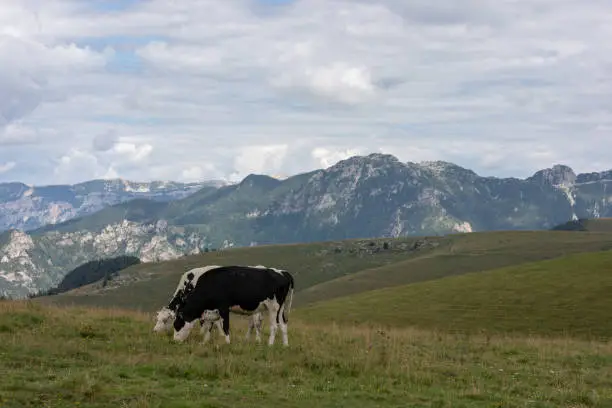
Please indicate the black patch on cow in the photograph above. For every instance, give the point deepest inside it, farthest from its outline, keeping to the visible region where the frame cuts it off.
(291, 287)
(224, 314)
(176, 301)
(179, 322)
(249, 306)
(181, 294)
(226, 286)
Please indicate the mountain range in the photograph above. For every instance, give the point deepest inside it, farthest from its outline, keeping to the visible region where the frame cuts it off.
(27, 207)
(363, 196)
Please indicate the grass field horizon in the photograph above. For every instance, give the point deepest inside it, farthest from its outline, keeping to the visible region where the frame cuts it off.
(569, 295)
(59, 356)
(326, 270)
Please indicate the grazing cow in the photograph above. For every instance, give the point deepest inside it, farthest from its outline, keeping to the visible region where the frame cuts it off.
(240, 289)
(167, 314)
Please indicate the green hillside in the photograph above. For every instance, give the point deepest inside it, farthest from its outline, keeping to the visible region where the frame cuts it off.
(74, 357)
(148, 285)
(466, 253)
(594, 225)
(565, 296)
(326, 270)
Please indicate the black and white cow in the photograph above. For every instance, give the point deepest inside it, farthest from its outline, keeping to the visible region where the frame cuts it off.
(241, 289)
(167, 314)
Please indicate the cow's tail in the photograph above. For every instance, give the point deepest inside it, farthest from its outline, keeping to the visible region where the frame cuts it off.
(289, 299)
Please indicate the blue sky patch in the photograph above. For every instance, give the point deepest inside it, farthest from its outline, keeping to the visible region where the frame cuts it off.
(125, 59)
(113, 5)
(125, 62)
(128, 120)
(274, 2)
(118, 42)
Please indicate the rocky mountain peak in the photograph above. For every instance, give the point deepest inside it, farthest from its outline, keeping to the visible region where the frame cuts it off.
(382, 157)
(557, 175)
(260, 181)
(373, 160)
(12, 191)
(347, 174)
(444, 168)
(594, 177)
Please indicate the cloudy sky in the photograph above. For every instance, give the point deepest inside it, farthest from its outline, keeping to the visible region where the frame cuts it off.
(208, 89)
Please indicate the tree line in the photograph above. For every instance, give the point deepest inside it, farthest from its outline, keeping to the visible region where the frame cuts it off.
(90, 272)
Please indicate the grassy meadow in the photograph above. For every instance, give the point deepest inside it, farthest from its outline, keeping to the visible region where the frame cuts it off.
(496, 319)
(570, 295)
(463, 253)
(326, 270)
(76, 357)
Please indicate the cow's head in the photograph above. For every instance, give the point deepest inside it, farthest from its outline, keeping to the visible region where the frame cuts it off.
(165, 317)
(182, 323)
(177, 300)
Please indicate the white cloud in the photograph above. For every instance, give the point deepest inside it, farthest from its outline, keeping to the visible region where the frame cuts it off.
(193, 173)
(259, 160)
(132, 151)
(6, 167)
(200, 172)
(113, 158)
(103, 142)
(17, 134)
(348, 84)
(327, 157)
(207, 89)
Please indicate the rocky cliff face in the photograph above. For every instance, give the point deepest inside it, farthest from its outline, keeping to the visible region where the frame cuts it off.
(26, 207)
(379, 195)
(31, 263)
(375, 195)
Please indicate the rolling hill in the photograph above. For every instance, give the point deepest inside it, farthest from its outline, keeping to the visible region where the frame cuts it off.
(330, 269)
(594, 225)
(147, 286)
(567, 296)
(465, 253)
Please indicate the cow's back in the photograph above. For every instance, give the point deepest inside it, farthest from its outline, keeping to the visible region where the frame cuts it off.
(232, 285)
(196, 273)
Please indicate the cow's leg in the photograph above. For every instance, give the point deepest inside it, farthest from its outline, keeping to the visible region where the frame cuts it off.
(283, 324)
(272, 311)
(219, 324)
(206, 328)
(255, 321)
(251, 327)
(258, 321)
(182, 334)
(224, 313)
